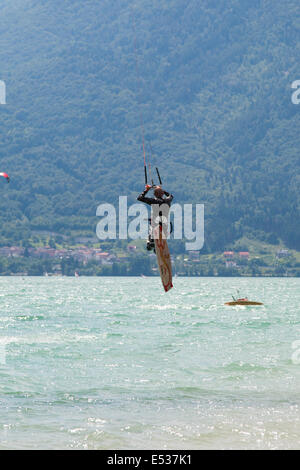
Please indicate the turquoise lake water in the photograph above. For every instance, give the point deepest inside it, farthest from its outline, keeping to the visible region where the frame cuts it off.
(115, 363)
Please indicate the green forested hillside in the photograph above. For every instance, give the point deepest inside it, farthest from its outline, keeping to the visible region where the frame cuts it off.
(213, 84)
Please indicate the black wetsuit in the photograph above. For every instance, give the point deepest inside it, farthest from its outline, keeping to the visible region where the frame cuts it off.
(152, 201)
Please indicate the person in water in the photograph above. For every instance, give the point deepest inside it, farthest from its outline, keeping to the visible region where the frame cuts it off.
(160, 197)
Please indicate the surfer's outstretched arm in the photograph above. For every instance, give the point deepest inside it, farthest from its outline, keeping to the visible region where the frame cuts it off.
(147, 200)
(169, 197)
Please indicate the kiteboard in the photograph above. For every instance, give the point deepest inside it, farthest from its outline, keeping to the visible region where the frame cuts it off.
(163, 257)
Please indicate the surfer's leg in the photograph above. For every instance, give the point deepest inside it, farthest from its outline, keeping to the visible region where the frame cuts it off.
(150, 241)
(150, 244)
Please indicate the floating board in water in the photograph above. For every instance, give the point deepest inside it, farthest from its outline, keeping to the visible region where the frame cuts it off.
(243, 302)
(163, 257)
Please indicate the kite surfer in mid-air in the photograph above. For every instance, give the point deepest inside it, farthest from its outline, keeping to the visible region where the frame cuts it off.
(160, 197)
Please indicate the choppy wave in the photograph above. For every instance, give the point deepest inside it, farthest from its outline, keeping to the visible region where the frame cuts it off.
(99, 363)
